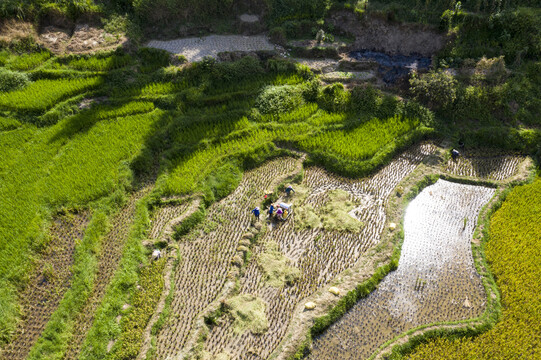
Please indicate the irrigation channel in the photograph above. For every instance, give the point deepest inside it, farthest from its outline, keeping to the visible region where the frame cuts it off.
(436, 280)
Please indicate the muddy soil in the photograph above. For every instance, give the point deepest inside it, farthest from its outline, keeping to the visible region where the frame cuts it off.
(46, 288)
(391, 38)
(435, 281)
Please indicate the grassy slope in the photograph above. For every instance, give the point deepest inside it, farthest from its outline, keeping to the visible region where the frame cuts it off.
(514, 254)
(201, 126)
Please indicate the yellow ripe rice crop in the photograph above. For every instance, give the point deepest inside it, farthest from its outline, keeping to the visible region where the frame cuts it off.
(514, 254)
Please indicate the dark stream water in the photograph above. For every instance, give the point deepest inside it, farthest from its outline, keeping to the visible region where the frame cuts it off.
(393, 67)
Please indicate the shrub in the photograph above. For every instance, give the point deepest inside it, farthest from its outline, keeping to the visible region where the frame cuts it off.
(365, 99)
(12, 80)
(414, 110)
(390, 105)
(279, 99)
(437, 89)
(278, 36)
(334, 98)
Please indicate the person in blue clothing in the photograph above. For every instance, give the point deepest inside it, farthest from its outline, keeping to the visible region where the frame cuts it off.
(256, 212)
(271, 210)
(455, 154)
(289, 190)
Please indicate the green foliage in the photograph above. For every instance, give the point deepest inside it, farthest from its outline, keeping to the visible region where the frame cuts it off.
(53, 341)
(436, 89)
(281, 10)
(7, 124)
(190, 222)
(279, 99)
(43, 94)
(361, 142)
(143, 302)
(334, 98)
(365, 99)
(152, 11)
(12, 80)
(9, 311)
(96, 63)
(29, 61)
(122, 290)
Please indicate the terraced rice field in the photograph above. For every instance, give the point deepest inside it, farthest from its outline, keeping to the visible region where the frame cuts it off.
(210, 257)
(319, 255)
(52, 278)
(435, 281)
(111, 252)
(485, 166)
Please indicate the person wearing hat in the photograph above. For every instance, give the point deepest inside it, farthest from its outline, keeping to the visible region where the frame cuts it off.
(256, 212)
(289, 190)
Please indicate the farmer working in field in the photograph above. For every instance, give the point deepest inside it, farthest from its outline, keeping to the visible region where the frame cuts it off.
(271, 210)
(256, 212)
(455, 154)
(289, 190)
(279, 213)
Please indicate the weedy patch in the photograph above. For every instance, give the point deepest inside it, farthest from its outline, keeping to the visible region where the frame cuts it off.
(248, 312)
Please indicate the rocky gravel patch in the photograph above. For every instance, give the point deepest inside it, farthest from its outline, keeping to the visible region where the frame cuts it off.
(195, 49)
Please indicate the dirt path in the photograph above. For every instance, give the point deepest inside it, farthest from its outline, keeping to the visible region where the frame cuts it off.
(164, 226)
(435, 281)
(111, 252)
(195, 49)
(51, 280)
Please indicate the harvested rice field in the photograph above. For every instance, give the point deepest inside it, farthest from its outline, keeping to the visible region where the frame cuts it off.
(485, 165)
(248, 192)
(436, 280)
(45, 291)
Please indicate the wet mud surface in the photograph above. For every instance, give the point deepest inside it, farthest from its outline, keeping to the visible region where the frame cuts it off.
(435, 281)
(393, 67)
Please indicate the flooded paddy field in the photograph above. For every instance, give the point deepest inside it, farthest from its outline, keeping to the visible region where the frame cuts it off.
(436, 280)
(315, 255)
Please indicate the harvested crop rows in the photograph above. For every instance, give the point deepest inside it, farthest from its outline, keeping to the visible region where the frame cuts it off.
(45, 290)
(207, 256)
(110, 254)
(489, 166)
(163, 216)
(436, 280)
(319, 255)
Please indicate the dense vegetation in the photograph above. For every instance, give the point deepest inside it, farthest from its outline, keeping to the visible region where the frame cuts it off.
(180, 127)
(195, 129)
(513, 252)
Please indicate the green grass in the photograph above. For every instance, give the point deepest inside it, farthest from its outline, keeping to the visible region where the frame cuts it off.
(198, 127)
(361, 142)
(44, 94)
